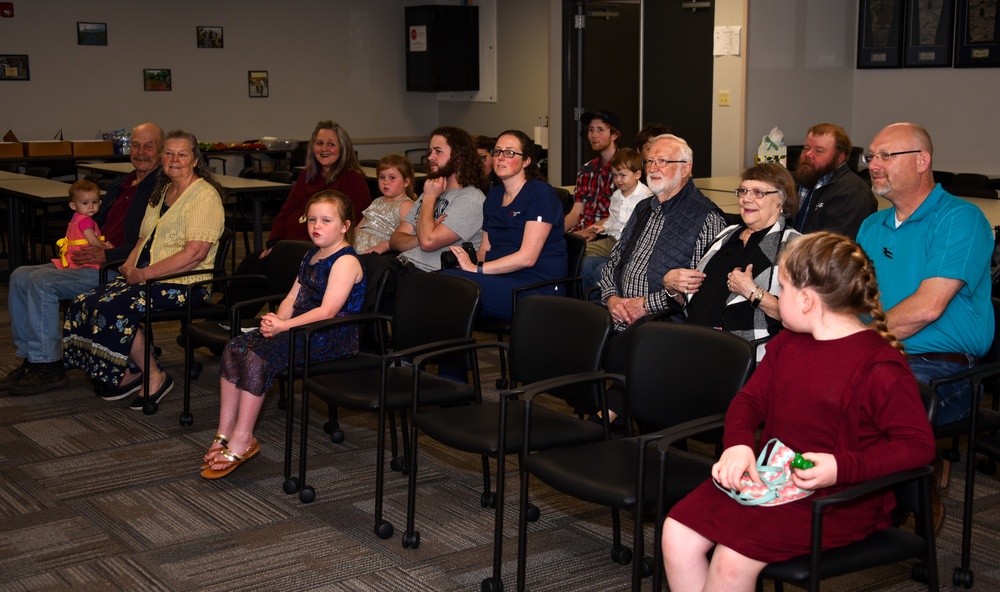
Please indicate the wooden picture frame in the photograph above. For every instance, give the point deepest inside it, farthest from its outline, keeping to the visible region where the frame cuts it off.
(930, 26)
(880, 34)
(14, 67)
(977, 34)
(156, 79)
(91, 33)
(258, 84)
(209, 37)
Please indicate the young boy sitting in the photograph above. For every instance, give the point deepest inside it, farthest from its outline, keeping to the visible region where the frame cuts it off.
(626, 170)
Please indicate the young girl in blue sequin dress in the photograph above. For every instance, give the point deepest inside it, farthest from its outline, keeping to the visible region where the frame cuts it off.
(331, 282)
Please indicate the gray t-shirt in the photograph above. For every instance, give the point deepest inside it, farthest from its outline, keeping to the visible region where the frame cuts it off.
(464, 207)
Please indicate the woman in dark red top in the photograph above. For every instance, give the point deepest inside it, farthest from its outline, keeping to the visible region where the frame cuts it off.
(331, 164)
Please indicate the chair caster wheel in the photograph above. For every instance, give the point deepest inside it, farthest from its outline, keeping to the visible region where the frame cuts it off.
(919, 572)
(396, 465)
(533, 513)
(150, 408)
(622, 555)
(307, 495)
(491, 585)
(647, 567)
(962, 577)
(383, 529)
(282, 403)
(187, 419)
(951, 455)
(337, 436)
(327, 427)
(411, 540)
(290, 486)
(502, 383)
(488, 500)
(157, 351)
(194, 373)
(987, 467)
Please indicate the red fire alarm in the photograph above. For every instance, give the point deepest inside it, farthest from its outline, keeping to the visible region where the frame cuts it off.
(6, 10)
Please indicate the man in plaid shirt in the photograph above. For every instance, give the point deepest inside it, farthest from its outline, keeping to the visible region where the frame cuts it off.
(593, 182)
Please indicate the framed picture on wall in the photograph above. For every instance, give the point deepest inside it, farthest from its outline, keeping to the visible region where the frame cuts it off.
(156, 80)
(14, 67)
(977, 34)
(929, 28)
(258, 84)
(91, 33)
(209, 37)
(880, 34)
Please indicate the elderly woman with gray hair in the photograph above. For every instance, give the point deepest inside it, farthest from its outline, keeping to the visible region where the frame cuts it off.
(738, 291)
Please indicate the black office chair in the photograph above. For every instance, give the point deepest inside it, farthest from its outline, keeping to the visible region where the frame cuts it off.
(282, 177)
(388, 388)
(418, 158)
(214, 309)
(39, 171)
(968, 180)
(550, 337)
(913, 494)
(572, 284)
(943, 177)
(678, 375)
(286, 258)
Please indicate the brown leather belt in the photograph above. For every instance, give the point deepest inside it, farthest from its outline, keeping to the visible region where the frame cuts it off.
(953, 358)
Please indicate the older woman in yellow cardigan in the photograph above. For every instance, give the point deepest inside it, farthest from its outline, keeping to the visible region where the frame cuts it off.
(180, 232)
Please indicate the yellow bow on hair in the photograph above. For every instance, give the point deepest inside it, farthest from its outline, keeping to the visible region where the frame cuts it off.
(64, 244)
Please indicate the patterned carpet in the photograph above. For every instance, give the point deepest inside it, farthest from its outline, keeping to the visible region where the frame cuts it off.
(94, 496)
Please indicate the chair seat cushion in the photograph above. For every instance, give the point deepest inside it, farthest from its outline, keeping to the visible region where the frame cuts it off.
(475, 428)
(210, 310)
(360, 389)
(605, 472)
(885, 546)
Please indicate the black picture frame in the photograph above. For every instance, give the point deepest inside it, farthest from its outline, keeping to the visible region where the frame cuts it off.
(91, 33)
(209, 37)
(257, 82)
(930, 26)
(880, 34)
(157, 80)
(977, 35)
(14, 67)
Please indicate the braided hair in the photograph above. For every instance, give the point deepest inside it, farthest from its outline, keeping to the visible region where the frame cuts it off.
(839, 270)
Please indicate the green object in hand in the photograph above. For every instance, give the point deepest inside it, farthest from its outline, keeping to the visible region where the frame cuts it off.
(800, 462)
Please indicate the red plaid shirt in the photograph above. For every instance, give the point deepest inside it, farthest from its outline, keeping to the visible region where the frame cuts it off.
(593, 190)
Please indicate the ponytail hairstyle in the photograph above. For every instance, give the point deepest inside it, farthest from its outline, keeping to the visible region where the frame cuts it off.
(839, 270)
(339, 201)
(405, 168)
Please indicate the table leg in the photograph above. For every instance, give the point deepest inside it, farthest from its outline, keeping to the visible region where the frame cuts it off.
(258, 229)
(15, 248)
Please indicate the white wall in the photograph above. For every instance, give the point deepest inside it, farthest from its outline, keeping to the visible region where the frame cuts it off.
(729, 74)
(801, 71)
(326, 59)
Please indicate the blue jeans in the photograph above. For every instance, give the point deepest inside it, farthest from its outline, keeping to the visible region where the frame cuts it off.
(33, 302)
(590, 271)
(953, 398)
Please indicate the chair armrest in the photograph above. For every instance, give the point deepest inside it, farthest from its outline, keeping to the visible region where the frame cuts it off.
(976, 372)
(422, 359)
(515, 295)
(668, 437)
(180, 274)
(103, 270)
(429, 350)
(861, 489)
(542, 386)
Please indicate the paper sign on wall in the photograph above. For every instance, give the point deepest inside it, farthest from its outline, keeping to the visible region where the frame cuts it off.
(727, 41)
(418, 38)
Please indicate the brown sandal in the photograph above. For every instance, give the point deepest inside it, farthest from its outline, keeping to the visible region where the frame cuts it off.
(219, 439)
(232, 461)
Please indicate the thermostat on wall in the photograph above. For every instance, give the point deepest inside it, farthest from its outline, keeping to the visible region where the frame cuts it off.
(6, 10)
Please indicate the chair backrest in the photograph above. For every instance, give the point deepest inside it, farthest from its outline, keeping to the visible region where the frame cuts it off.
(93, 177)
(247, 172)
(433, 307)
(678, 372)
(565, 198)
(553, 336)
(38, 171)
(968, 180)
(943, 177)
(283, 264)
(225, 243)
(282, 177)
(966, 191)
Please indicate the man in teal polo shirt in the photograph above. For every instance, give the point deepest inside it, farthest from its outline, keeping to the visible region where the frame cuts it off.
(931, 252)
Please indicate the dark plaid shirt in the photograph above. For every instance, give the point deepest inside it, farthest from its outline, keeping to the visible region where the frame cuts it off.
(593, 190)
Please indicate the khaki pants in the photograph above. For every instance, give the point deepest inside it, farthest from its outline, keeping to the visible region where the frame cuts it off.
(601, 247)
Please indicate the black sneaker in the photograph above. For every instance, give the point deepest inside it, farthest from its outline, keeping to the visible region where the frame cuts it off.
(41, 378)
(138, 403)
(15, 375)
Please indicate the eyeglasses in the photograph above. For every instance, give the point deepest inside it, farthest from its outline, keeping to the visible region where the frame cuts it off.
(660, 162)
(757, 193)
(506, 153)
(884, 156)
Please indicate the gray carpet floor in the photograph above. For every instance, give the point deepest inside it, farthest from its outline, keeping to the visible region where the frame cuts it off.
(94, 496)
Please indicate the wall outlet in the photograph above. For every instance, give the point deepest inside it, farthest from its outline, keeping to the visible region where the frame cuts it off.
(723, 98)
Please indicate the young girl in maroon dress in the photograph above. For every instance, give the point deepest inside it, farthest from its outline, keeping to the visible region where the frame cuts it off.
(829, 387)
(330, 282)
